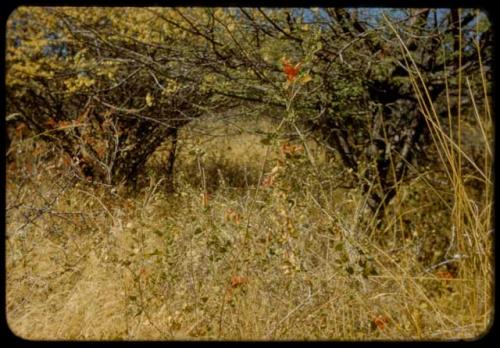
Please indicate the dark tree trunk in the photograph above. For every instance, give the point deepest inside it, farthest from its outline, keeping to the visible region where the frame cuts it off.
(171, 161)
(130, 163)
(391, 152)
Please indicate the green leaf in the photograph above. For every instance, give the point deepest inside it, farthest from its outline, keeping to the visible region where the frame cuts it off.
(266, 141)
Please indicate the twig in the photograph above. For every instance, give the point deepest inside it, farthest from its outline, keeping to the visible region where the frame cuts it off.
(309, 297)
(455, 258)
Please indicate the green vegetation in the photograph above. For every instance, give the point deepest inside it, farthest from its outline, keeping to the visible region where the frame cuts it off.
(249, 174)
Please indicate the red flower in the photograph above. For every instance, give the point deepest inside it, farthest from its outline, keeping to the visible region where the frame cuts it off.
(290, 71)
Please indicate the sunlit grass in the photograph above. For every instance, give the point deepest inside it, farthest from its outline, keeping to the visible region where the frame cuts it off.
(225, 258)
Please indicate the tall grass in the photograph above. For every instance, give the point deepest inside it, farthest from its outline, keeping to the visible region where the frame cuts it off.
(472, 218)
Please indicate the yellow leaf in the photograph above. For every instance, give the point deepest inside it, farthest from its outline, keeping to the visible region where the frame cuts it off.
(219, 12)
(149, 100)
(305, 79)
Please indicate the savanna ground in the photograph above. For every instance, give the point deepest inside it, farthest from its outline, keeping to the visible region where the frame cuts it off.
(237, 252)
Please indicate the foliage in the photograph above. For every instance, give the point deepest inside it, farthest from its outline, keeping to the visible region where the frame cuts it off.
(103, 84)
(140, 74)
(356, 87)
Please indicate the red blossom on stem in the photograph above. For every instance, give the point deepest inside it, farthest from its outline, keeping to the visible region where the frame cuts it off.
(290, 70)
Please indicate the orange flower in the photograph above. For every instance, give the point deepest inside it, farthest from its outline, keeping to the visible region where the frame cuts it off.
(50, 123)
(445, 275)
(267, 181)
(287, 150)
(291, 71)
(64, 124)
(238, 280)
(380, 321)
(21, 130)
(66, 160)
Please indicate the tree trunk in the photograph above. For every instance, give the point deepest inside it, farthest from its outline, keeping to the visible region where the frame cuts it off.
(171, 162)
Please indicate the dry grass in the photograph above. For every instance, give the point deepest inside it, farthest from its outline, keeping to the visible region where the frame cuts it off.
(224, 258)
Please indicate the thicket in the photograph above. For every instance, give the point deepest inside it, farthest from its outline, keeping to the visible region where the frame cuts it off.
(108, 87)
